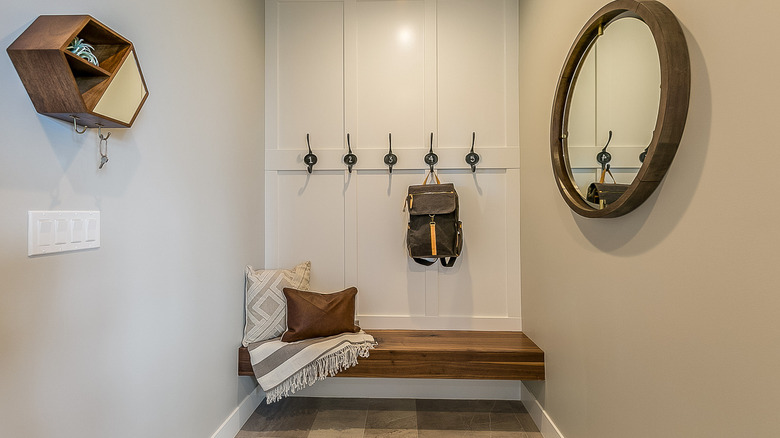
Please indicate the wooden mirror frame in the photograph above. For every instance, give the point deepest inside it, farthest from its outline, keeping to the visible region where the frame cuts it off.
(672, 106)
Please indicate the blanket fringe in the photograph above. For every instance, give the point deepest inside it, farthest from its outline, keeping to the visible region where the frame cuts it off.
(326, 366)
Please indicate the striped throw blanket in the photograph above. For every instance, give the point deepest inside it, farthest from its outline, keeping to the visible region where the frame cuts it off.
(282, 368)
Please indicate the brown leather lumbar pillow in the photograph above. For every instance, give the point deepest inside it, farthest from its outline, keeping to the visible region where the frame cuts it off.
(314, 315)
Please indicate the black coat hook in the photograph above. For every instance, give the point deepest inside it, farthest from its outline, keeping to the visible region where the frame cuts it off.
(643, 155)
(472, 158)
(604, 157)
(431, 158)
(310, 159)
(390, 158)
(350, 159)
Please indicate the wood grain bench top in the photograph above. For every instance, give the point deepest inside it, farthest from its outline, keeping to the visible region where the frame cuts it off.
(444, 354)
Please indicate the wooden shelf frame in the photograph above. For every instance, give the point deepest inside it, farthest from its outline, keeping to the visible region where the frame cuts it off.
(61, 84)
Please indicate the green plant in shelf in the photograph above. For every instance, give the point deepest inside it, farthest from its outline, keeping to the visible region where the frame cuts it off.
(79, 48)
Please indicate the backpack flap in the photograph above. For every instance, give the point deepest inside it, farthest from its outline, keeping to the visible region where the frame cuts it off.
(432, 199)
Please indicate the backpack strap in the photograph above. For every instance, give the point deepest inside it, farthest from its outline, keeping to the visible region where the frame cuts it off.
(449, 263)
(424, 262)
(428, 175)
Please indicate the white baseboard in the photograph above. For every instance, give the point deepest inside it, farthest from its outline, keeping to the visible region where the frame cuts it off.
(232, 425)
(539, 415)
(361, 387)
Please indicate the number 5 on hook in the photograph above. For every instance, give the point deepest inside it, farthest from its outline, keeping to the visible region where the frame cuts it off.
(390, 157)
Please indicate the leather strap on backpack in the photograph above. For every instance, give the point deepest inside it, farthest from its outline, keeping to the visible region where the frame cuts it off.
(428, 175)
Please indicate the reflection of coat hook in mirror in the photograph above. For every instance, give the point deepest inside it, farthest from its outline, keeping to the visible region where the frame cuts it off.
(350, 159)
(309, 159)
(76, 126)
(390, 158)
(103, 147)
(643, 155)
(604, 157)
(431, 158)
(472, 158)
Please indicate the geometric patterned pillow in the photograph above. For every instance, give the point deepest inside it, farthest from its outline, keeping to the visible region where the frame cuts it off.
(266, 308)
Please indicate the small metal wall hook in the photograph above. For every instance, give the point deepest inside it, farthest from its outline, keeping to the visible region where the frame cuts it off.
(309, 159)
(604, 157)
(390, 158)
(472, 158)
(76, 126)
(431, 158)
(350, 159)
(101, 149)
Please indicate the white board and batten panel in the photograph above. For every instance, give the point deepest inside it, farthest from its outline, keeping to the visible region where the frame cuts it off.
(408, 68)
(390, 74)
(308, 70)
(477, 72)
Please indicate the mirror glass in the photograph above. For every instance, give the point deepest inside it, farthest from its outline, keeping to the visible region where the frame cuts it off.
(617, 89)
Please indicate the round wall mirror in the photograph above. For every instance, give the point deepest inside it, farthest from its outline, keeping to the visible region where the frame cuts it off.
(620, 108)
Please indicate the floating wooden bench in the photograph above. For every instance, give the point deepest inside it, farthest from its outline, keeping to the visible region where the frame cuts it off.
(443, 354)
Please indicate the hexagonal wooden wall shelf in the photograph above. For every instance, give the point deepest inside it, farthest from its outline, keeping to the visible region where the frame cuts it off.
(63, 85)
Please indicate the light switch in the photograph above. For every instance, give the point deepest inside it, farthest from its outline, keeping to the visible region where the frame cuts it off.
(59, 231)
(62, 235)
(93, 229)
(45, 232)
(78, 231)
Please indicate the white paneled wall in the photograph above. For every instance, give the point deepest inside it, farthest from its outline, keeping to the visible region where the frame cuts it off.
(390, 69)
(309, 93)
(369, 68)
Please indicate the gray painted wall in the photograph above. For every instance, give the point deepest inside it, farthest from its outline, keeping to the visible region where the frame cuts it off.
(137, 338)
(663, 322)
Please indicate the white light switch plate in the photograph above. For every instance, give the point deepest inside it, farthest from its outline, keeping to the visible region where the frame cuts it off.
(51, 232)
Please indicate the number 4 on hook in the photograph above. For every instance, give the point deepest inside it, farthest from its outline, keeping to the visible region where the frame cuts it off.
(472, 158)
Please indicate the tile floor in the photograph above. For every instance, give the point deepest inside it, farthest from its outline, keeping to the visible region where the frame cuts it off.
(302, 417)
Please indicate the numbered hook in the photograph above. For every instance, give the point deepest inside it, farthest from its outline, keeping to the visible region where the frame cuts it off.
(390, 158)
(604, 157)
(309, 159)
(350, 159)
(472, 158)
(431, 158)
(643, 155)
(103, 146)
